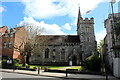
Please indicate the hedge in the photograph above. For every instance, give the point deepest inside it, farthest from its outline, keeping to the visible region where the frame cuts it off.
(93, 63)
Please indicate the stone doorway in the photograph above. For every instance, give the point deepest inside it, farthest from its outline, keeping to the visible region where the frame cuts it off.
(74, 60)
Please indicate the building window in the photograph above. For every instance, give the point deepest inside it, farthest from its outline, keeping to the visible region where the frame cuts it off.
(6, 35)
(62, 54)
(54, 52)
(117, 54)
(87, 29)
(88, 39)
(10, 44)
(47, 53)
(5, 45)
(11, 34)
(53, 57)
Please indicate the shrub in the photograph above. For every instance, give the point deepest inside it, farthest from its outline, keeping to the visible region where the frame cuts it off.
(15, 62)
(93, 63)
(4, 63)
(26, 64)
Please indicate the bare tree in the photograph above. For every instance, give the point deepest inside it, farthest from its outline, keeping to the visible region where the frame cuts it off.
(30, 43)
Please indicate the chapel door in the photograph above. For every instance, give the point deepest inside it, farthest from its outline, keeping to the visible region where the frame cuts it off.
(74, 60)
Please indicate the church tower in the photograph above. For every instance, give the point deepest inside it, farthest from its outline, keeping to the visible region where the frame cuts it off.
(85, 30)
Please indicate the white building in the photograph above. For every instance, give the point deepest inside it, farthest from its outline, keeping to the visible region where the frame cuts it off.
(111, 48)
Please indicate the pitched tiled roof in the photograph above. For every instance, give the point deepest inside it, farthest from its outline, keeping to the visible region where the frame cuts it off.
(61, 38)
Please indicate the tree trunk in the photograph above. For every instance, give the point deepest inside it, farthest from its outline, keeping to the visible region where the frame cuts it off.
(27, 59)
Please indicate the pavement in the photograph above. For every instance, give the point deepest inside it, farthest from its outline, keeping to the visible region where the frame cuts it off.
(60, 75)
(41, 73)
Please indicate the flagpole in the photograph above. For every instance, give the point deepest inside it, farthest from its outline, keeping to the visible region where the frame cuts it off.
(113, 22)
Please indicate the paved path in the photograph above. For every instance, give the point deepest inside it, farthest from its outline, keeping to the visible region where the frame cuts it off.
(14, 76)
(65, 68)
(59, 75)
(42, 73)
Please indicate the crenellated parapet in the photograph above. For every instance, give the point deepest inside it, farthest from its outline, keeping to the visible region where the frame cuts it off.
(86, 21)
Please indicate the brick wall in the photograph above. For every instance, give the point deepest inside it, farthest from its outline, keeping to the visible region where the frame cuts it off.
(14, 37)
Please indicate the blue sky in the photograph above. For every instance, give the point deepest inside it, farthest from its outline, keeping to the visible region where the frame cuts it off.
(57, 17)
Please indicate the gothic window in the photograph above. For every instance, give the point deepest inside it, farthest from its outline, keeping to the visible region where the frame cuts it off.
(74, 51)
(47, 53)
(54, 52)
(87, 29)
(62, 54)
(53, 57)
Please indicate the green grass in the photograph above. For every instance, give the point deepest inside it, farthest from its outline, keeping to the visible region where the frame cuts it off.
(76, 67)
(42, 67)
(54, 67)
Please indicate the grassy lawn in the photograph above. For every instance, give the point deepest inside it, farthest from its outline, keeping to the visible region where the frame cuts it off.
(50, 67)
(64, 69)
(55, 67)
(75, 67)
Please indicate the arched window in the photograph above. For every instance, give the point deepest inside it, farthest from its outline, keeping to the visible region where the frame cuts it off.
(62, 54)
(54, 52)
(74, 51)
(47, 53)
(87, 29)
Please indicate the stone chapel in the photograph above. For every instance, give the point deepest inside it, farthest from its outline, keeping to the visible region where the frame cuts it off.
(67, 49)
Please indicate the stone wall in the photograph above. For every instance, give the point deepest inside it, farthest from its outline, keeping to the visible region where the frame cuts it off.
(39, 58)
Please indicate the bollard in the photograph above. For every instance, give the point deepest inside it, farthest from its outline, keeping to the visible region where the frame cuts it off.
(38, 70)
(66, 73)
(14, 69)
(106, 75)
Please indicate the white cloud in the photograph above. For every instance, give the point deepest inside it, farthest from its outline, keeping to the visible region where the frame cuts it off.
(100, 36)
(44, 9)
(41, 9)
(51, 29)
(1, 9)
(66, 26)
